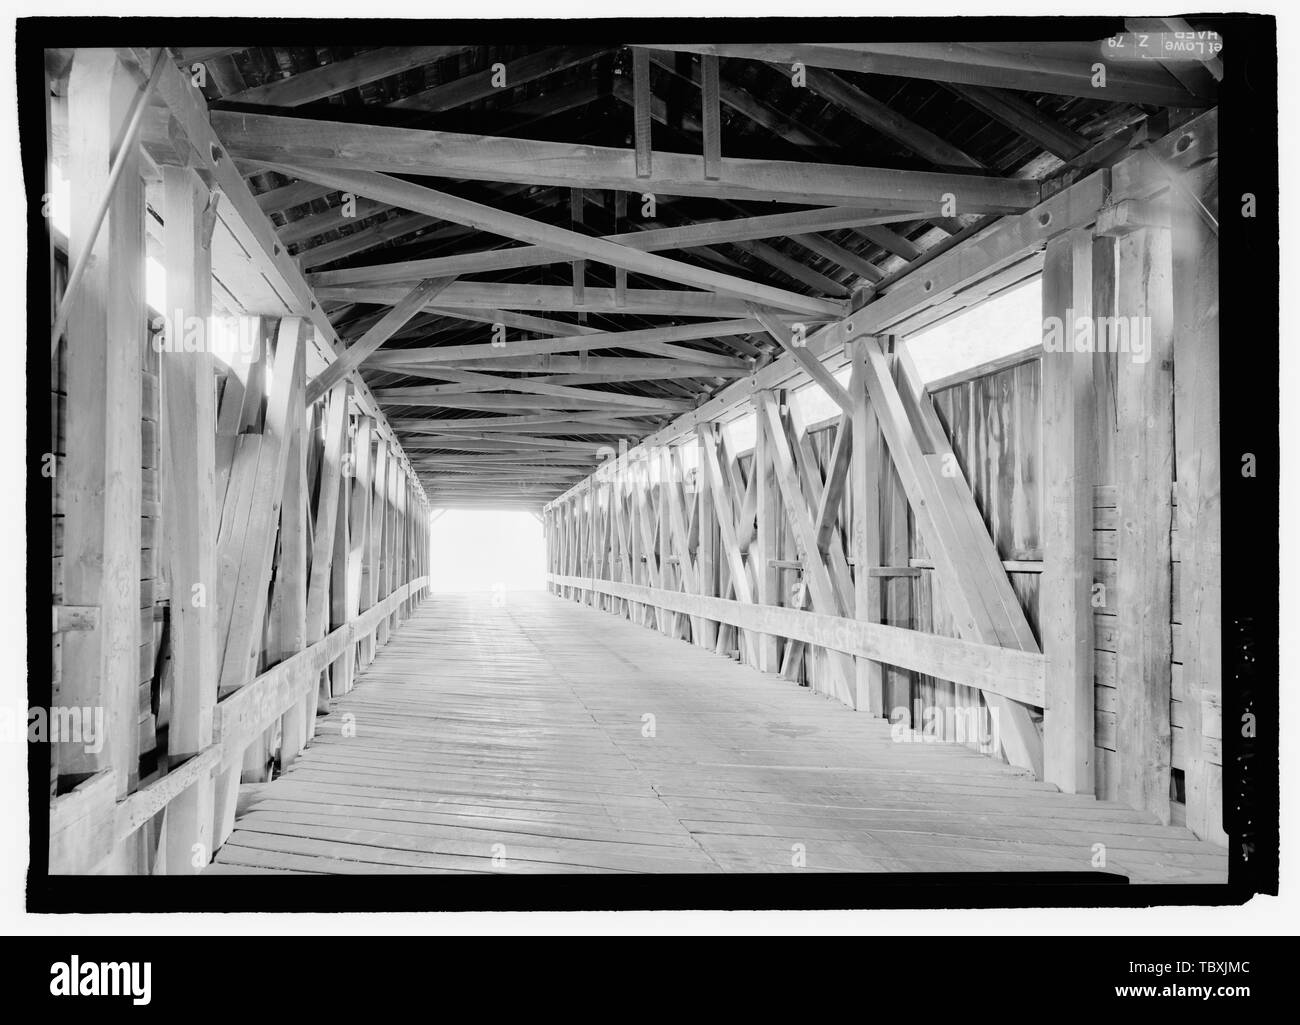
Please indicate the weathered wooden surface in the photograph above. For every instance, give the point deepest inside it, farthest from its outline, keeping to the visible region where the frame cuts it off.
(517, 731)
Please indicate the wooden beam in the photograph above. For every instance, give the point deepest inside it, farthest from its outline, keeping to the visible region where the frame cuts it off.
(1014, 675)
(652, 340)
(340, 76)
(814, 367)
(641, 123)
(358, 241)
(187, 432)
(289, 602)
(761, 113)
(360, 508)
(303, 142)
(766, 545)
(884, 119)
(866, 468)
(1023, 117)
(102, 485)
(1195, 249)
(1026, 71)
(1143, 479)
(1065, 592)
(609, 368)
(479, 85)
(710, 106)
(392, 322)
(516, 399)
(530, 386)
(326, 547)
(500, 222)
(492, 295)
(736, 229)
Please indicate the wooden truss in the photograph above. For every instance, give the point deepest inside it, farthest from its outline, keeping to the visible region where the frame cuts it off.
(569, 328)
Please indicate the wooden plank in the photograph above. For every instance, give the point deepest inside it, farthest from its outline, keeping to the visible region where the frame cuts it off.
(418, 790)
(188, 436)
(1066, 590)
(247, 590)
(248, 601)
(247, 714)
(167, 794)
(317, 143)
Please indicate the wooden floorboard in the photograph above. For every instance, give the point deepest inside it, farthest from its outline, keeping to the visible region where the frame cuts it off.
(518, 738)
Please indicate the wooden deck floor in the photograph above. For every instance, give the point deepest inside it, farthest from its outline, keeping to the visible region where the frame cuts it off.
(513, 738)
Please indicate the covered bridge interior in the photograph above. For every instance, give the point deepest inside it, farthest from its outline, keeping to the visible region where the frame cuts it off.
(304, 297)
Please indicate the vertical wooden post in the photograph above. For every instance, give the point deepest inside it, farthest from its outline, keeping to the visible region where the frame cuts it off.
(1069, 438)
(328, 525)
(188, 496)
(1196, 411)
(620, 221)
(1144, 480)
(291, 573)
(374, 540)
(706, 556)
(767, 543)
(864, 470)
(341, 580)
(642, 101)
(899, 593)
(711, 116)
(359, 527)
(102, 471)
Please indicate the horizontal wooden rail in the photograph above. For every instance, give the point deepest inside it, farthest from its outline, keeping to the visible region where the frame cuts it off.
(88, 823)
(1005, 671)
(245, 714)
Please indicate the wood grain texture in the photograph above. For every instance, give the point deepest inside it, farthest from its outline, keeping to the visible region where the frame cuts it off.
(520, 746)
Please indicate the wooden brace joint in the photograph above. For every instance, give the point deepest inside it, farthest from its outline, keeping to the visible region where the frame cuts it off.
(1130, 215)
